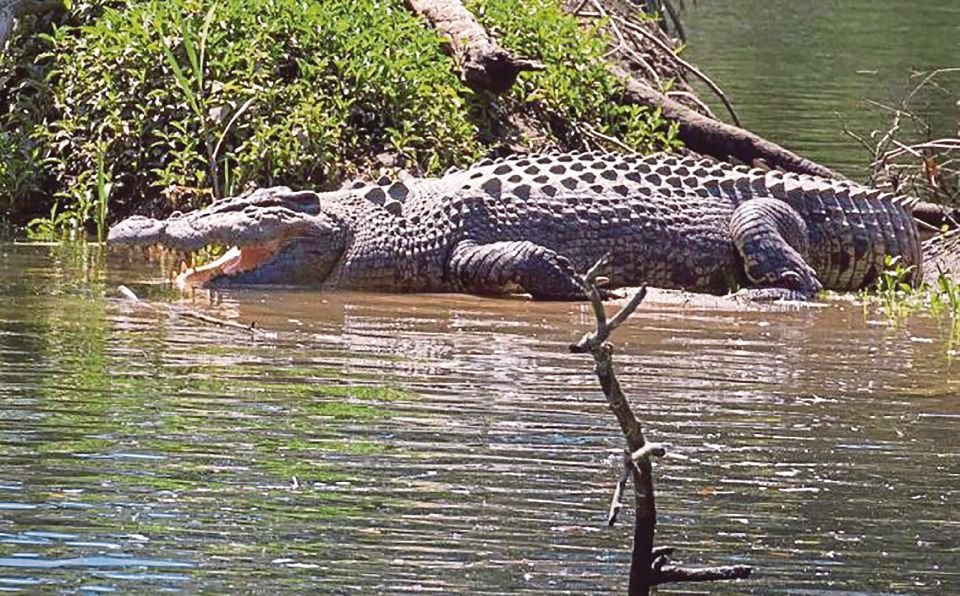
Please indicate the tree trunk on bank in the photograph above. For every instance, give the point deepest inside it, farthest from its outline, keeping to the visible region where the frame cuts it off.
(11, 10)
(487, 65)
(484, 65)
(717, 139)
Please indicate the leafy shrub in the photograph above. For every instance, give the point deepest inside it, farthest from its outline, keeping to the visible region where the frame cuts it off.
(24, 103)
(163, 104)
(185, 93)
(577, 85)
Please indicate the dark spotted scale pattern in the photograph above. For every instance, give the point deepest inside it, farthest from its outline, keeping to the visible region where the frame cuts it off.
(531, 222)
(664, 220)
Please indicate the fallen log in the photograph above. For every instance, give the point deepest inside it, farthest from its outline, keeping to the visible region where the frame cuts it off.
(717, 139)
(484, 65)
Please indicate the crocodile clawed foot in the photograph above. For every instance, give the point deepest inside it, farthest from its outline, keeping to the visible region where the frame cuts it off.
(806, 282)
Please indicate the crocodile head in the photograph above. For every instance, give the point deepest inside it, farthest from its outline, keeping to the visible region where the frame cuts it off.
(278, 237)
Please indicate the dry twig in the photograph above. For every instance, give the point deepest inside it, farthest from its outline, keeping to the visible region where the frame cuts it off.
(649, 565)
(929, 166)
(617, 21)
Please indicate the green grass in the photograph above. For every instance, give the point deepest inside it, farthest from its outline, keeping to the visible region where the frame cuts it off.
(171, 103)
(898, 299)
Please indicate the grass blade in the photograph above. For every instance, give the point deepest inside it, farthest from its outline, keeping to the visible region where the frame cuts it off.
(188, 45)
(182, 81)
(204, 34)
(233, 119)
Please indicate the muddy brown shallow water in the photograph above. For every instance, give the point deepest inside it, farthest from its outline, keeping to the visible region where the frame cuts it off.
(451, 444)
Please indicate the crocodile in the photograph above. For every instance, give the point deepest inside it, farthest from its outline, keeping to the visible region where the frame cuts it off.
(530, 223)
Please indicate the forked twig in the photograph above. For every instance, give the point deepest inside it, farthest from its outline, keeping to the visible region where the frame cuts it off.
(649, 565)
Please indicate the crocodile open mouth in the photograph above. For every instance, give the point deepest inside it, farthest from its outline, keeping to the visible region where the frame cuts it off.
(235, 261)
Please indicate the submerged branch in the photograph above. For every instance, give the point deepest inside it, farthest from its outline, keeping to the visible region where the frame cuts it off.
(641, 472)
(187, 313)
(674, 574)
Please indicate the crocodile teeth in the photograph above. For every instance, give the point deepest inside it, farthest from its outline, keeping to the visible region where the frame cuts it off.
(197, 276)
(234, 261)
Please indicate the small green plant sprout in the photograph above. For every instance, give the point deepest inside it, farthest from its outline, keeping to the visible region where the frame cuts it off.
(945, 297)
(944, 303)
(894, 289)
(899, 299)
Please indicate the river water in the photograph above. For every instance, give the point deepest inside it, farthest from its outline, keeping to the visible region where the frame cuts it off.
(798, 72)
(451, 444)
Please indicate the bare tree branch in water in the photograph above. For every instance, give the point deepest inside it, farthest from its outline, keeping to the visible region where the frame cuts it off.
(187, 313)
(929, 165)
(649, 565)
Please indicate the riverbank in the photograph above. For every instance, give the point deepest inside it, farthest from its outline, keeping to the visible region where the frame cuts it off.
(134, 106)
(157, 106)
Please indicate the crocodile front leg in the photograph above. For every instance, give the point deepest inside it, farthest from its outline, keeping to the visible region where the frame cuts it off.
(771, 237)
(501, 267)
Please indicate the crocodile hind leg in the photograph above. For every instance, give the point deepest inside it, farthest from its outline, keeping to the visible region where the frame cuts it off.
(771, 238)
(500, 267)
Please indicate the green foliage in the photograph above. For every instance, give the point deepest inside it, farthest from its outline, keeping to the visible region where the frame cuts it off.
(946, 297)
(893, 288)
(24, 103)
(193, 95)
(576, 90)
(279, 91)
(86, 203)
(19, 162)
(899, 299)
(164, 104)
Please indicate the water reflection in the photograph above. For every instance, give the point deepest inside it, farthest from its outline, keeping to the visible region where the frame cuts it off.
(798, 71)
(450, 443)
